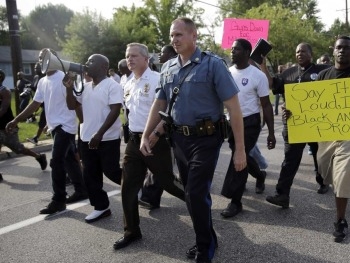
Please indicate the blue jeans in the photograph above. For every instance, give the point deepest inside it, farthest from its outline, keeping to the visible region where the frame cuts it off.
(258, 157)
(277, 101)
(63, 160)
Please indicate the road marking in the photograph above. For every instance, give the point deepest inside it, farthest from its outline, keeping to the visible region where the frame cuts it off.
(39, 218)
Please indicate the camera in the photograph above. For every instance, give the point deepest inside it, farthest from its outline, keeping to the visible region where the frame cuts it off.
(27, 91)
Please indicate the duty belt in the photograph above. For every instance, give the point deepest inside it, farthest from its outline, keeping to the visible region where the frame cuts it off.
(185, 130)
(194, 130)
(135, 136)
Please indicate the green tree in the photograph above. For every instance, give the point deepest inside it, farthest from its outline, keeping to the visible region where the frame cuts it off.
(84, 36)
(132, 25)
(238, 8)
(163, 12)
(337, 28)
(4, 33)
(287, 30)
(45, 26)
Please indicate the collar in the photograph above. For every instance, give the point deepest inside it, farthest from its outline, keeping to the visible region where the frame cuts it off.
(195, 58)
(145, 75)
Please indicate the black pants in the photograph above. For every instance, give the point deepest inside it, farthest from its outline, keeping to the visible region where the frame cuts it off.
(135, 166)
(63, 159)
(293, 154)
(152, 193)
(196, 159)
(103, 160)
(235, 181)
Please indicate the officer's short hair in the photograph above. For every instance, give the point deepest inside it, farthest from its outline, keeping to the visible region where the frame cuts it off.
(143, 48)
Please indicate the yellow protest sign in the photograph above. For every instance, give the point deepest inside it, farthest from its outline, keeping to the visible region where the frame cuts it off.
(320, 110)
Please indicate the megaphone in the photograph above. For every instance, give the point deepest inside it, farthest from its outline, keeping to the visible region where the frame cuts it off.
(51, 62)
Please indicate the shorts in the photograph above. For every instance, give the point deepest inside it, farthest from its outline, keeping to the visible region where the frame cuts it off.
(334, 166)
(11, 141)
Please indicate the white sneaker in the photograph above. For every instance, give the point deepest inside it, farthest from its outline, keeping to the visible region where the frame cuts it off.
(97, 215)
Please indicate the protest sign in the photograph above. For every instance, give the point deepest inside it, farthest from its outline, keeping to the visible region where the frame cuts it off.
(320, 110)
(249, 29)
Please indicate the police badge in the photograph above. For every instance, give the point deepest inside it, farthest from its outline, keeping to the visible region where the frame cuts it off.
(146, 88)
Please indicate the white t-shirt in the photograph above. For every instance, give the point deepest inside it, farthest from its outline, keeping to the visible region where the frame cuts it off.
(139, 95)
(95, 103)
(124, 79)
(115, 77)
(252, 84)
(52, 92)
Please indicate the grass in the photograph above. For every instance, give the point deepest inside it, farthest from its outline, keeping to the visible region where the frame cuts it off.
(26, 130)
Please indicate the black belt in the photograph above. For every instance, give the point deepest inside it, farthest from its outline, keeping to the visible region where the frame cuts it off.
(135, 136)
(185, 130)
(190, 130)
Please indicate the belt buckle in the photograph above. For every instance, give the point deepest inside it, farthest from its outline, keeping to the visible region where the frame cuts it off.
(186, 130)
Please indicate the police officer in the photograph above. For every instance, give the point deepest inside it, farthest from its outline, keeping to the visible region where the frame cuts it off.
(152, 192)
(139, 93)
(303, 72)
(203, 85)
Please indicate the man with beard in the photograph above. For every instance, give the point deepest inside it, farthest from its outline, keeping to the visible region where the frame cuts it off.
(305, 71)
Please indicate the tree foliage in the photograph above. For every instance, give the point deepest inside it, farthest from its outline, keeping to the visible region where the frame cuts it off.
(4, 34)
(163, 12)
(84, 36)
(287, 30)
(45, 26)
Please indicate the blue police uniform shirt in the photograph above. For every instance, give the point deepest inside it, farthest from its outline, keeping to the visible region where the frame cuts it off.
(203, 91)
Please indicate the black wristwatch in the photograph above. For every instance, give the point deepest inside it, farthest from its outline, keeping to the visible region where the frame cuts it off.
(157, 133)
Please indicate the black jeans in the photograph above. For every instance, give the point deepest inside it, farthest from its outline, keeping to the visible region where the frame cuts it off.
(63, 160)
(104, 160)
(293, 154)
(235, 181)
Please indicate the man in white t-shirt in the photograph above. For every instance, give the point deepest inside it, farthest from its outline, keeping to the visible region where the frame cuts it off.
(126, 73)
(62, 124)
(114, 75)
(254, 91)
(101, 102)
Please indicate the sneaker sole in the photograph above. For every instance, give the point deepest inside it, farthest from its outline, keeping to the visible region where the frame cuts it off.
(103, 215)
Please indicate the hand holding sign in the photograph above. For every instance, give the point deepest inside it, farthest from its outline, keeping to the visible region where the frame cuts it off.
(320, 110)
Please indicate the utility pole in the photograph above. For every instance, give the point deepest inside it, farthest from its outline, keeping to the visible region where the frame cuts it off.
(15, 41)
(346, 14)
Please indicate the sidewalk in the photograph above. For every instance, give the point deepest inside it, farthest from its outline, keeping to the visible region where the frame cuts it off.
(43, 146)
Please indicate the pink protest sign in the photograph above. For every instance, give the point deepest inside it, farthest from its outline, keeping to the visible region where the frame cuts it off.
(248, 29)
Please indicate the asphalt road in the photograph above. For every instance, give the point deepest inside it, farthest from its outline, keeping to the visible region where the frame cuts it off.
(261, 233)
